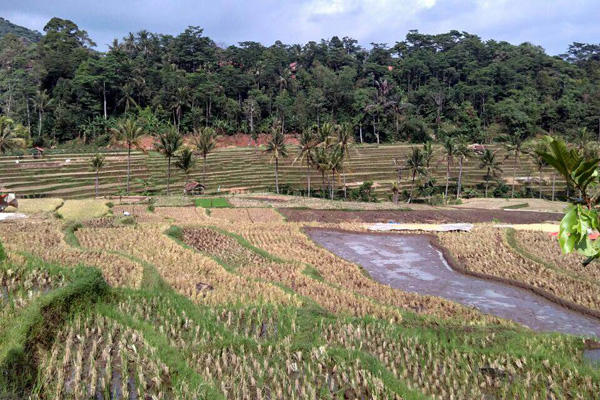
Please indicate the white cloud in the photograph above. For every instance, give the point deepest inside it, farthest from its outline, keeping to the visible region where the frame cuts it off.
(552, 24)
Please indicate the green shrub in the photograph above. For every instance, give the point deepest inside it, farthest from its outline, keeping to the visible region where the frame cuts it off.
(363, 193)
(471, 193)
(2, 252)
(436, 200)
(502, 190)
(174, 232)
(127, 221)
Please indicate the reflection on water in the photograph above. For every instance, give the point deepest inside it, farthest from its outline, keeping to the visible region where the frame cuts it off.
(411, 263)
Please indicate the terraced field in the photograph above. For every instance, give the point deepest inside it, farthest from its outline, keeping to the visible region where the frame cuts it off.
(186, 302)
(236, 169)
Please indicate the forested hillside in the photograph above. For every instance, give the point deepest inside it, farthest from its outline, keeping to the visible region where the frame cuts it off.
(7, 27)
(410, 89)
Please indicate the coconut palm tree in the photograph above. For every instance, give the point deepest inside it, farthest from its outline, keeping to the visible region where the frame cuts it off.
(336, 165)
(380, 104)
(42, 101)
(488, 161)
(415, 163)
(540, 162)
(186, 163)
(96, 162)
(308, 142)
(204, 140)
(325, 134)
(428, 153)
(181, 99)
(169, 143)
(345, 140)
(320, 159)
(8, 141)
(129, 131)
(583, 142)
(514, 144)
(449, 145)
(277, 148)
(127, 99)
(463, 153)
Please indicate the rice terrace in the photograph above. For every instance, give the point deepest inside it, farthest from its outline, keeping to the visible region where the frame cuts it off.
(183, 218)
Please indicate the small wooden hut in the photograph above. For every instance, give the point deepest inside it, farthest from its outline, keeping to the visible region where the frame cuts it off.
(193, 188)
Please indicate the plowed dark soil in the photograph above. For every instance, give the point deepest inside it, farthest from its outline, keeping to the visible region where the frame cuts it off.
(421, 216)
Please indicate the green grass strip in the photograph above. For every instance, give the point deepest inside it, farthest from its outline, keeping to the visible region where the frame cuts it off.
(516, 206)
(35, 327)
(182, 373)
(213, 202)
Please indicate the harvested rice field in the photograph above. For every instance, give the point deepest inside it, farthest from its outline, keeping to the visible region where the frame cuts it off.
(177, 299)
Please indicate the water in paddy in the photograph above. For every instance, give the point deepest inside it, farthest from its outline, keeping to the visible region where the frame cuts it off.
(412, 264)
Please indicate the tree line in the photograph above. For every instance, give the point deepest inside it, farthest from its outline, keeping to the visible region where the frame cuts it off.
(424, 87)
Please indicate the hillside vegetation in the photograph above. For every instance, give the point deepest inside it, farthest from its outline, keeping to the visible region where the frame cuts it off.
(7, 27)
(418, 87)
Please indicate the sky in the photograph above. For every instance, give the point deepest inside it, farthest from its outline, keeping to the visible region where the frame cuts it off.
(552, 24)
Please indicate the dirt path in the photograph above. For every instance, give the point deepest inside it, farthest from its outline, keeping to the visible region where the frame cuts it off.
(412, 264)
(421, 216)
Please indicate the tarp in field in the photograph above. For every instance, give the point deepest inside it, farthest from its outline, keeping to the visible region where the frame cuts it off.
(387, 227)
(5, 216)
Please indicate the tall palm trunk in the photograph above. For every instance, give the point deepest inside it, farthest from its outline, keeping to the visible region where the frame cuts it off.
(360, 134)
(128, 165)
(460, 171)
(308, 179)
(487, 182)
(512, 194)
(28, 117)
(104, 100)
(331, 183)
(377, 132)
(40, 124)
(447, 177)
(277, 175)
(412, 186)
(204, 171)
(168, 175)
(96, 185)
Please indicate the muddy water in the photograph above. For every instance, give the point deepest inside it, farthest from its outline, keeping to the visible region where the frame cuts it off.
(411, 263)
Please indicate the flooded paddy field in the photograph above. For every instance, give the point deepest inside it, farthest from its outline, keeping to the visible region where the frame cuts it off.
(411, 263)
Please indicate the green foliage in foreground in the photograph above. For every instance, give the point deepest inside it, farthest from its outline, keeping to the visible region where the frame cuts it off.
(581, 172)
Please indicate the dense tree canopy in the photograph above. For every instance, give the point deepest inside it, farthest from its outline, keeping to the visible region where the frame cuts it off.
(422, 87)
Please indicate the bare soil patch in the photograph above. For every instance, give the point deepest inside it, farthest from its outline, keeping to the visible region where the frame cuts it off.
(420, 216)
(525, 204)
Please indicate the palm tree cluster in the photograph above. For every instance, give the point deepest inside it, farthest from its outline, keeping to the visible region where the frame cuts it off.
(326, 148)
(169, 142)
(418, 163)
